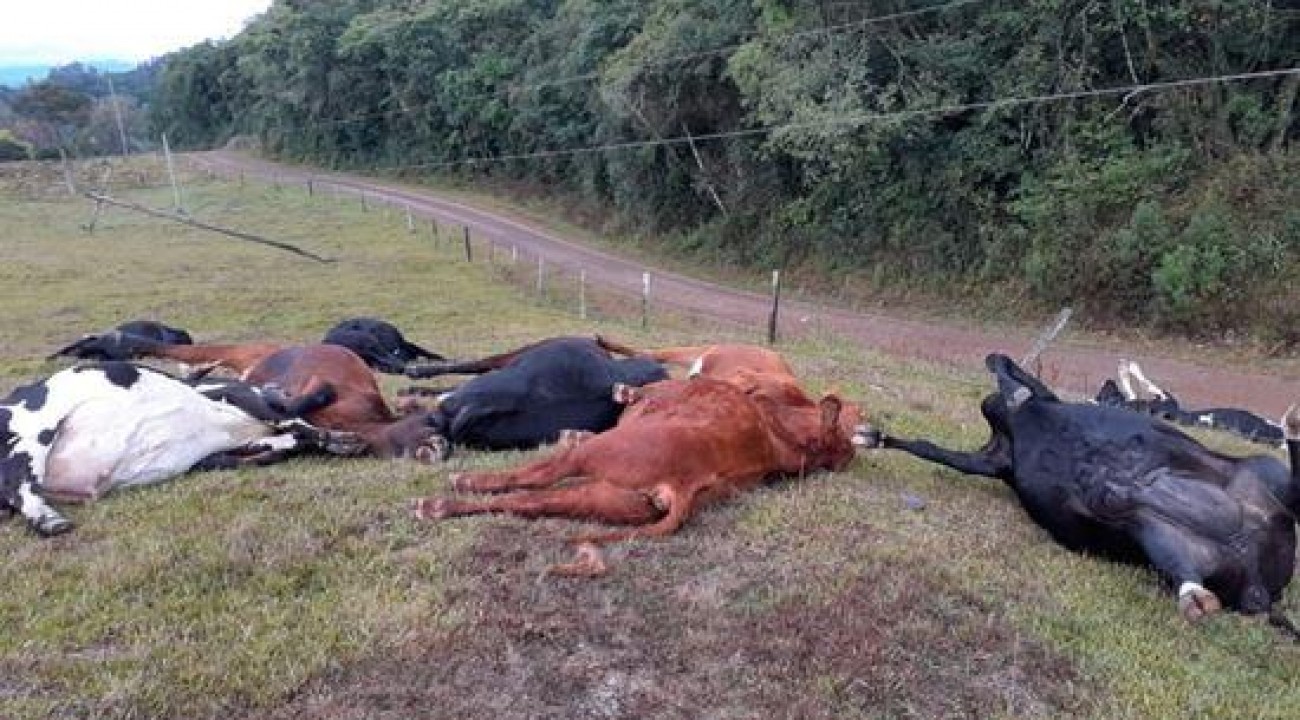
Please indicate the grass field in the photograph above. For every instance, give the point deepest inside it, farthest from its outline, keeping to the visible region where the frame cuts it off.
(305, 590)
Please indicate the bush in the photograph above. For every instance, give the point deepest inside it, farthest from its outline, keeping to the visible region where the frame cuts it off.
(12, 148)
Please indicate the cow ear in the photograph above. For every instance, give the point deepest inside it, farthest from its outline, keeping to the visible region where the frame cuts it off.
(831, 406)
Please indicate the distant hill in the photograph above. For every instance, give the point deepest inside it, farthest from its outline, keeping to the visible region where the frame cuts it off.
(15, 75)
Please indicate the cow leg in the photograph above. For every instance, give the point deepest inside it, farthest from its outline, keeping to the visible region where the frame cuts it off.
(42, 518)
(988, 462)
(1016, 385)
(1154, 390)
(537, 474)
(595, 500)
(466, 367)
(1170, 553)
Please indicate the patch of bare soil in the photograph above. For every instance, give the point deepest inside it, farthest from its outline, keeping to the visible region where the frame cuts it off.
(702, 625)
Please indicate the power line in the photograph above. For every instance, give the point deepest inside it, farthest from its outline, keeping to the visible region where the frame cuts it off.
(666, 60)
(1128, 91)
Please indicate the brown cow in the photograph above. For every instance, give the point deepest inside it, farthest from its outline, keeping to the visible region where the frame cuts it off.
(359, 407)
(682, 444)
(755, 370)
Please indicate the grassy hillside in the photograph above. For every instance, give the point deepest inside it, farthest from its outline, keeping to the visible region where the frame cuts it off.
(305, 590)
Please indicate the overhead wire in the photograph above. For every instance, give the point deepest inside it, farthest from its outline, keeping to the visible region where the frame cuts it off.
(1128, 91)
(515, 88)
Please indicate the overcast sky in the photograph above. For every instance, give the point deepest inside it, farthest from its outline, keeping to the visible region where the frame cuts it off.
(60, 31)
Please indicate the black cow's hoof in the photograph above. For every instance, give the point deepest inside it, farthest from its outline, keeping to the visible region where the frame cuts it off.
(868, 437)
(51, 526)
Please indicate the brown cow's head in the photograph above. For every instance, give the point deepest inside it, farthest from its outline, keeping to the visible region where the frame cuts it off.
(834, 447)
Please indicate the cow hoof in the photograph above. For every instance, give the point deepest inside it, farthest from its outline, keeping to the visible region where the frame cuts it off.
(464, 481)
(1196, 603)
(625, 394)
(867, 437)
(50, 526)
(570, 439)
(430, 508)
(433, 451)
(590, 562)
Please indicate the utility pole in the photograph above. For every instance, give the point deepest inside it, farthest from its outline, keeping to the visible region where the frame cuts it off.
(117, 113)
(171, 171)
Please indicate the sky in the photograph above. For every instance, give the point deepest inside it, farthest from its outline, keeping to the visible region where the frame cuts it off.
(60, 31)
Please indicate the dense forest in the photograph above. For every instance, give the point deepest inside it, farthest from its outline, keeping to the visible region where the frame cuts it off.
(1029, 153)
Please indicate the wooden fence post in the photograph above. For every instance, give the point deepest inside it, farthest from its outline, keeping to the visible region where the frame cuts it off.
(410, 220)
(541, 274)
(776, 307)
(469, 251)
(645, 299)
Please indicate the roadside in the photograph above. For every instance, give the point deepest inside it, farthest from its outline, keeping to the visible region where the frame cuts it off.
(1072, 365)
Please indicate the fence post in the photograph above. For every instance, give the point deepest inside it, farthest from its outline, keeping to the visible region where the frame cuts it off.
(311, 192)
(410, 220)
(514, 254)
(363, 201)
(469, 251)
(776, 307)
(541, 274)
(433, 231)
(645, 299)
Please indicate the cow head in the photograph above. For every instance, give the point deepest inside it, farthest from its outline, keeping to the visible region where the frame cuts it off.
(834, 448)
(638, 371)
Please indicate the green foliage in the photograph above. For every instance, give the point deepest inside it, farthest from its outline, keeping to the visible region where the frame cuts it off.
(824, 148)
(12, 148)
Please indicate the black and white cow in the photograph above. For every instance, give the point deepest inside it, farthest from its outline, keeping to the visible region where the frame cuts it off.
(1156, 401)
(92, 428)
(118, 343)
(529, 396)
(1120, 484)
(379, 343)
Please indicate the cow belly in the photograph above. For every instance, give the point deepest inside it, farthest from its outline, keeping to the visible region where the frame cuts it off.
(108, 444)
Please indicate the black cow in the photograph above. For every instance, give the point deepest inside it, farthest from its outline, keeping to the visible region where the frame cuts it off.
(118, 343)
(91, 428)
(529, 396)
(1117, 483)
(379, 343)
(1162, 404)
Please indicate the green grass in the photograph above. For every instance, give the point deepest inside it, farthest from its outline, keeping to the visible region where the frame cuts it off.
(306, 590)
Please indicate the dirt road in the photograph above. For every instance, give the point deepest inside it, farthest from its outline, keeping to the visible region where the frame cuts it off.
(1071, 366)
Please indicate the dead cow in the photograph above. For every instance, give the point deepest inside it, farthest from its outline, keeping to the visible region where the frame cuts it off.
(92, 428)
(358, 406)
(681, 444)
(1120, 484)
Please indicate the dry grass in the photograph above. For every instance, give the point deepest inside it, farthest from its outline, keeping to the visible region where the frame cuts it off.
(304, 590)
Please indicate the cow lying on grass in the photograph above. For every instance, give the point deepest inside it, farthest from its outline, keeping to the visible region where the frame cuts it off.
(679, 445)
(528, 396)
(380, 344)
(89, 429)
(118, 343)
(755, 370)
(1119, 484)
(1158, 402)
(357, 405)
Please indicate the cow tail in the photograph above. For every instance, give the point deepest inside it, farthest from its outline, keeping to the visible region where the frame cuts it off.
(680, 506)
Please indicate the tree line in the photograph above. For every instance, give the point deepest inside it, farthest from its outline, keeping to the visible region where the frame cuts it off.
(804, 135)
(76, 108)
